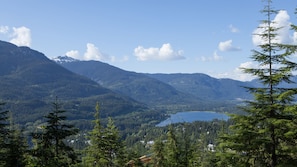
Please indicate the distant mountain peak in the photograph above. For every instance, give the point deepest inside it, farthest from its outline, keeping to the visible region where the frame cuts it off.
(64, 59)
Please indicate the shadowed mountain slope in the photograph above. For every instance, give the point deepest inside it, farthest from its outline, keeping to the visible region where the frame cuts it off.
(150, 89)
(29, 81)
(160, 88)
(136, 85)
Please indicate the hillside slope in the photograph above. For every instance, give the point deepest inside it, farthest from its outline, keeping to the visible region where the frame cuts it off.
(160, 88)
(29, 82)
(206, 87)
(136, 85)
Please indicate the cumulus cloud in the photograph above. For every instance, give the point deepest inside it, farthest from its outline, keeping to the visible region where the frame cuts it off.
(238, 73)
(73, 54)
(233, 29)
(164, 53)
(21, 36)
(4, 29)
(227, 46)
(214, 57)
(295, 37)
(281, 21)
(92, 53)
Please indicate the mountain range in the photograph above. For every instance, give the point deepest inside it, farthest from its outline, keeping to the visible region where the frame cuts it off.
(30, 82)
(138, 86)
(158, 89)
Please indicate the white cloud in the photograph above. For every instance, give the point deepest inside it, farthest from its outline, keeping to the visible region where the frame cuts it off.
(92, 53)
(248, 64)
(4, 29)
(214, 57)
(281, 21)
(238, 73)
(21, 36)
(227, 46)
(164, 53)
(73, 53)
(295, 37)
(233, 29)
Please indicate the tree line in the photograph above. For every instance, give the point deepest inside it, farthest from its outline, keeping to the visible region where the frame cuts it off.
(49, 144)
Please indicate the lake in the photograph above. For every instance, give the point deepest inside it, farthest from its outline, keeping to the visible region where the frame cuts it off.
(191, 116)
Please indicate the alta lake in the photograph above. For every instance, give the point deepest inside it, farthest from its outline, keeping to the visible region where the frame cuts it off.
(191, 116)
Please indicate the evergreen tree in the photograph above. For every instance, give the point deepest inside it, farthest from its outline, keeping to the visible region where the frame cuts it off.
(186, 146)
(4, 131)
(158, 153)
(51, 149)
(133, 158)
(17, 148)
(175, 149)
(172, 151)
(106, 148)
(202, 155)
(114, 153)
(94, 150)
(266, 134)
(13, 144)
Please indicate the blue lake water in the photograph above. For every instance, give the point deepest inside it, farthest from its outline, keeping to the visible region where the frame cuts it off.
(191, 116)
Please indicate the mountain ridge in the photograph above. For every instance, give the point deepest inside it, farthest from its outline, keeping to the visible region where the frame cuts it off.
(128, 83)
(206, 87)
(197, 85)
(30, 82)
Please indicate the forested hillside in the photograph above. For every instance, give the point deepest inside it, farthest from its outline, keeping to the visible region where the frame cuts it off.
(159, 88)
(31, 81)
(135, 85)
(206, 87)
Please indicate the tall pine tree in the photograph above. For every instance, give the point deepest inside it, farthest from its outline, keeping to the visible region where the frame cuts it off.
(171, 148)
(114, 153)
(51, 149)
(266, 134)
(94, 150)
(106, 148)
(159, 153)
(4, 131)
(17, 147)
(12, 143)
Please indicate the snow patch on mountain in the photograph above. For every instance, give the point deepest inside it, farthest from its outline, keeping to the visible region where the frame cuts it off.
(64, 59)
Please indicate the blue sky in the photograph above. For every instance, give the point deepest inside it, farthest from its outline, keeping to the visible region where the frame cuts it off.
(150, 36)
